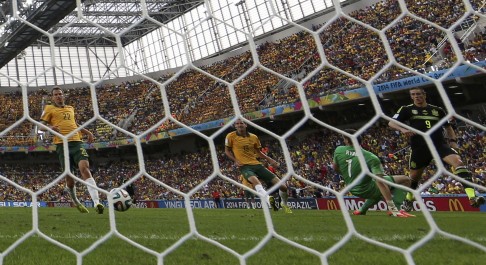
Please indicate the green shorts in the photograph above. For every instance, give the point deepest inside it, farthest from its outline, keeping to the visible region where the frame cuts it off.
(76, 154)
(370, 190)
(261, 172)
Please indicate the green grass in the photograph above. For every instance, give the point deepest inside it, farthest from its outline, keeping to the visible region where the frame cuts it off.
(239, 230)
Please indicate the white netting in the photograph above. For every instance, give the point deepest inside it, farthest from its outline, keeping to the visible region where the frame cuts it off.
(321, 60)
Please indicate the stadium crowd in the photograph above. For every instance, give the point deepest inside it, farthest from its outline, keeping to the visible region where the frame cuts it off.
(195, 97)
(311, 160)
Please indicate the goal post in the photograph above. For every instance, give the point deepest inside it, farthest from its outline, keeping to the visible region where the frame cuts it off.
(297, 78)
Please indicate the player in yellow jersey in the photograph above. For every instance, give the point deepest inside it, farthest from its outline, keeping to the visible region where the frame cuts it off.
(244, 149)
(59, 117)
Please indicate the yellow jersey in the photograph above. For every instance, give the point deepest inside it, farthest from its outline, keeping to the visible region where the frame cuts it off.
(245, 148)
(62, 117)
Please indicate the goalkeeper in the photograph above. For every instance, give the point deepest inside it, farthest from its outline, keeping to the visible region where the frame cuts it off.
(346, 162)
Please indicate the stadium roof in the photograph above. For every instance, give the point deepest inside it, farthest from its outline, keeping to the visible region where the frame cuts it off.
(116, 16)
(61, 16)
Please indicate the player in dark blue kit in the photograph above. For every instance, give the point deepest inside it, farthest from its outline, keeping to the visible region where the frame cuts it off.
(422, 116)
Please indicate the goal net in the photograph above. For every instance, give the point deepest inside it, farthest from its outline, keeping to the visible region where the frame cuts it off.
(161, 91)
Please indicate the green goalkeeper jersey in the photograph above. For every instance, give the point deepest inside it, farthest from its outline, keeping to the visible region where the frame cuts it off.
(348, 162)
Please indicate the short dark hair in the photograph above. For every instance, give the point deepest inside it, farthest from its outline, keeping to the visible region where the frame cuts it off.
(56, 88)
(417, 88)
(353, 131)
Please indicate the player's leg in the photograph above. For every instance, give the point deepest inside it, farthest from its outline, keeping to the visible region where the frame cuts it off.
(71, 190)
(249, 174)
(373, 191)
(369, 191)
(462, 171)
(419, 159)
(80, 156)
(272, 179)
(247, 194)
(247, 200)
(392, 208)
(415, 176)
(70, 183)
(367, 205)
(93, 192)
(284, 195)
(399, 195)
(252, 200)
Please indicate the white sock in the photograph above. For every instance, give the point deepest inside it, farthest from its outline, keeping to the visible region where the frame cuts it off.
(284, 196)
(259, 188)
(72, 194)
(93, 192)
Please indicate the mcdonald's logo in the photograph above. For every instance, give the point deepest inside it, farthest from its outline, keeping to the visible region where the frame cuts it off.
(331, 205)
(455, 205)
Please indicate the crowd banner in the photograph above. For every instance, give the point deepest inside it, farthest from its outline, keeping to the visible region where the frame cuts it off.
(21, 204)
(303, 204)
(181, 204)
(452, 203)
(240, 204)
(449, 203)
(60, 204)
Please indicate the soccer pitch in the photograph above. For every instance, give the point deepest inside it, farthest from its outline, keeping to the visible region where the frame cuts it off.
(239, 230)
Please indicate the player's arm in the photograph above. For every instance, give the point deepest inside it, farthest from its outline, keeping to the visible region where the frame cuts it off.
(336, 168)
(384, 188)
(229, 153)
(387, 195)
(403, 130)
(45, 121)
(270, 160)
(400, 116)
(87, 133)
(46, 125)
(398, 127)
(228, 150)
(258, 151)
(335, 164)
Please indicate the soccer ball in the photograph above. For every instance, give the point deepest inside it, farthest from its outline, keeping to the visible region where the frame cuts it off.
(121, 200)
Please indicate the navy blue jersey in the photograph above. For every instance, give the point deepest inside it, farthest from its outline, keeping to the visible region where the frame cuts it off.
(422, 119)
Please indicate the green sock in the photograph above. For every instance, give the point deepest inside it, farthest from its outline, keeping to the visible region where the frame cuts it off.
(72, 194)
(398, 197)
(464, 173)
(368, 203)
